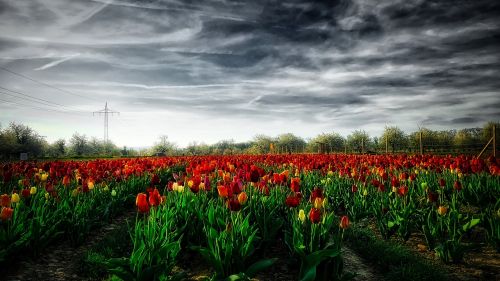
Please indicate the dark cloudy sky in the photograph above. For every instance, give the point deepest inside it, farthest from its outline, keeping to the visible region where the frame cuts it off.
(219, 69)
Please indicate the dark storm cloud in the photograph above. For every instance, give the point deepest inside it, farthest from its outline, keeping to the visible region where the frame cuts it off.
(352, 64)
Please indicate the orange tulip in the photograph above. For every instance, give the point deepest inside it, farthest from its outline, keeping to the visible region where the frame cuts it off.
(442, 210)
(223, 192)
(242, 198)
(142, 202)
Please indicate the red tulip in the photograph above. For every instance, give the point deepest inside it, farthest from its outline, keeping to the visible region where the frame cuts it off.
(5, 200)
(154, 197)
(457, 186)
(344, 222)
(442, 182)
(25, 193)
(354, 188)
(234, 204)
(316, 193)
(254, 175)
(155, 179)
(315, 215)
(403, 190)
(6, 213)
(432, 196)
(292, 201)
(295, 184)
(141, 201)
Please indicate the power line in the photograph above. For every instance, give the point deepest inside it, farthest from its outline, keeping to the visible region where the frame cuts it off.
(35, 99)
(36, 107)
(45, 84)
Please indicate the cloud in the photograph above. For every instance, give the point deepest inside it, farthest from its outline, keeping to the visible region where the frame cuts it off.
(300, 66)
(56, 62)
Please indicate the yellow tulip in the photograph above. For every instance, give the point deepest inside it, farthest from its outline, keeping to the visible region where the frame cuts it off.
(91, 185)
(44, 177)
(442, 210)
(318, 203)
(365, 192)
(330, 173)
(15, 198)
(302, 216)
(325, 202)
(33, 190)
(202, 186)
(47, 196)
(190, 183)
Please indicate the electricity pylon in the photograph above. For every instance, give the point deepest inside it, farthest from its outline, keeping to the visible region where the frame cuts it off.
(105, 111)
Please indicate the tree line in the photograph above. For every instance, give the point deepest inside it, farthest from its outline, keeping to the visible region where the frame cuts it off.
(18, 138)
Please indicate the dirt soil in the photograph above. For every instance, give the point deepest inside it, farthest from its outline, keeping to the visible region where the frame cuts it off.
(481, 263)
(60, 262)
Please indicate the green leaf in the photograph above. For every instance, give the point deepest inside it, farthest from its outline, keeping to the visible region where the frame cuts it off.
(470, 224)
(122, 274)
(312, 261)
(260, 266)
(235, 277)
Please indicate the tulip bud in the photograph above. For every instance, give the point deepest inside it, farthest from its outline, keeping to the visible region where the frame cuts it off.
(113, 193)
(325, 203)
(15, 198)
(424, 185)
(302, 216)
(365, 192)
(33, 190)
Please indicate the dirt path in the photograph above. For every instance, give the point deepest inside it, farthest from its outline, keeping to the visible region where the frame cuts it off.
(356, 264)
(60, 262)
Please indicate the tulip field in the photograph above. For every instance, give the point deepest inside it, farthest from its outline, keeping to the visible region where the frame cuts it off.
(230, 210)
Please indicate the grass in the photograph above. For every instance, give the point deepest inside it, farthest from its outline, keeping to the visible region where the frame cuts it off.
(393, 260)
(116, 243)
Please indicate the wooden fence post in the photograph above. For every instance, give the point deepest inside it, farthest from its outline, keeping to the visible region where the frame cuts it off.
(421, 144)
(494, 140)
